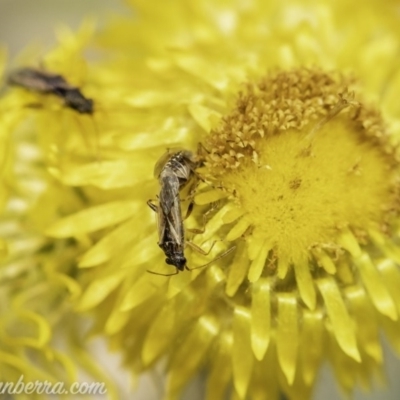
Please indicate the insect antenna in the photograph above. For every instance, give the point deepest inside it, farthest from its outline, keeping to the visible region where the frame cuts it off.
(159, 273)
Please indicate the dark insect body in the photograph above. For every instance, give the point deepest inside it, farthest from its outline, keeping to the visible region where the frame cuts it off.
(174, 171)
(48, 83)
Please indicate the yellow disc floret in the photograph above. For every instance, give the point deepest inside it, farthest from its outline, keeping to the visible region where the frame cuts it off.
(304, 160)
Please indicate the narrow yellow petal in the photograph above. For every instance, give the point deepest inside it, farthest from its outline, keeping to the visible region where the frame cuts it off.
(375, 286)
(68, 365)
(28, 370)
(109, 245)
(283, 266)
(265, 383)
(305, 284)
(344, 367)
(179, 282)
(391, 277)
(311, 344)
(210, 197)
(214, 224)
(257, 266)
(366, 322)
(232, 215)
(160, 334)
(141, 290)
(326, 262)
(221, 370)
(197, 67)
(350, 243)
(391, 329)
(254, 246)
(93, 219)
(388, 249)
(237, 270)
(109, 174)
(44, 331)
(116, 321)
(287, 335)
(260, 317)
(242, 356)
(149, 98)
(186, 360)
(342, 324)
(203, 115)
(68, 283)
(98, 290)
(3, 249)
(238, 230)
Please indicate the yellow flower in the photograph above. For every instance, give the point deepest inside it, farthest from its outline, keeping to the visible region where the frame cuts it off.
(296, 108)
(37, 273)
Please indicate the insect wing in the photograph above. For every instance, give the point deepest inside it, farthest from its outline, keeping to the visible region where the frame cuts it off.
(40, 81)
(161, 223)
(168, 193)
(175, 224)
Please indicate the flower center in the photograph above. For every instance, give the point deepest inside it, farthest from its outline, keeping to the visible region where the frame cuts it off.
(304, 161)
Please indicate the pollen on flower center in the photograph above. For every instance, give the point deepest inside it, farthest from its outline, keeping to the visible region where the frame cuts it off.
(304, 160)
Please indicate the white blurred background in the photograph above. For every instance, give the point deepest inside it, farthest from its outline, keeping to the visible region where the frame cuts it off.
(27, 22)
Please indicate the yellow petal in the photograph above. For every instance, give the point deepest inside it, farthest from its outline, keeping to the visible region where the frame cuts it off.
(210, 197)
(242, 356)
(287, 335)
(109, 245)
(202, 115)
(186, 360)
(390, 274)
(350, 243)
(197, 67)
(257, 266)
(221, 371)
(238, 230)
(160, 334)
(237, 270)
(138, 293)
(232, 215)
(375, 286)
(43, 328)
(116, 321)
(283, 266)
(342, 324)
(260, 317)
(69, 283)
(326, 262)
(98, 290)
(109, 174)
(366, 322)
(311, 355)
(305, 283)
(93, 219)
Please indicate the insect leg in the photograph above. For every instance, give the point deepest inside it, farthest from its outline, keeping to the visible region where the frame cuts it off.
(199, 249)
(205, 219)
(153, 206)
(225, 253)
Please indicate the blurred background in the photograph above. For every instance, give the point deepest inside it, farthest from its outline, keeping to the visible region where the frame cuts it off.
(25, 22)
(28, 22)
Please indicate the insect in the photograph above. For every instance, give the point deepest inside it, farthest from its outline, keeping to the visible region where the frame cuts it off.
(174, 170)
(49, 83)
